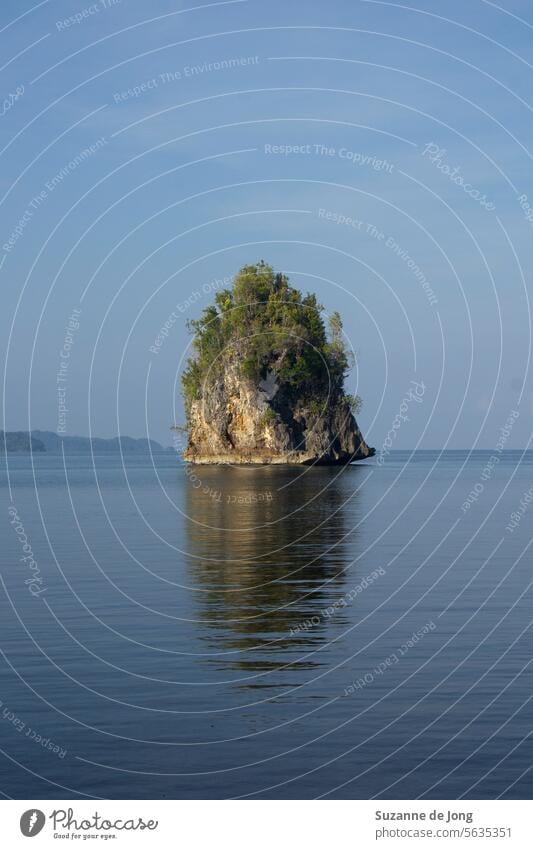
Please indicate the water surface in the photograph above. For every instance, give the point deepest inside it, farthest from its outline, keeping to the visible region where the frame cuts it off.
(266, 632)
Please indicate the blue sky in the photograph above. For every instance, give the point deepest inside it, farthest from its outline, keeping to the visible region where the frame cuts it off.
(374, 151)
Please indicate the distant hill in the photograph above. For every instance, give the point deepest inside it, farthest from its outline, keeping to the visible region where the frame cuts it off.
(19, 440)
(46, 440)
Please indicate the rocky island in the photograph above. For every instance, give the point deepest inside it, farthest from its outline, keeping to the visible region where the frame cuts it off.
(265, 382)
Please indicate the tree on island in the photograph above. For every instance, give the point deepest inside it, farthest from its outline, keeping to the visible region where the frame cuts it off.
(271, 329)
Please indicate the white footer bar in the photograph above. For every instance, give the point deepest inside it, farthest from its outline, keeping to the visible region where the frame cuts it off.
(267, 824)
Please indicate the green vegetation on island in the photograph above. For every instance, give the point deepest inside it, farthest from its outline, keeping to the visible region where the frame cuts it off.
(274, 332)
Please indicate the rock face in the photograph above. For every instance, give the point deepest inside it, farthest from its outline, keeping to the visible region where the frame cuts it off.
(238, 421)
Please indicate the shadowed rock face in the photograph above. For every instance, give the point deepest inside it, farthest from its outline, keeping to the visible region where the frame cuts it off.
(237, 421)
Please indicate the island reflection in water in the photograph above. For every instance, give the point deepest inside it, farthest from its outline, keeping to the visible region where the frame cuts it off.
(269, 549)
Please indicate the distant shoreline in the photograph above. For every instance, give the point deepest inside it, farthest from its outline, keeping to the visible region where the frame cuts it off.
(46, 441)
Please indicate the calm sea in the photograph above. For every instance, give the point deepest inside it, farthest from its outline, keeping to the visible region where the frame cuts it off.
(267, 632)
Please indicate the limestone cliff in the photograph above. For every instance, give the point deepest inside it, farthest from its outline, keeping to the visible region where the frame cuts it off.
(266, 382)
(239, 422)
